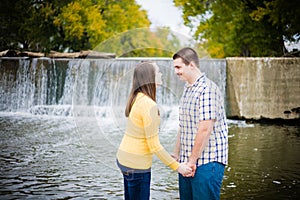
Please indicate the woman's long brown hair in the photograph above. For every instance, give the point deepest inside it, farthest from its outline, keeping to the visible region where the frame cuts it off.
(143, 81)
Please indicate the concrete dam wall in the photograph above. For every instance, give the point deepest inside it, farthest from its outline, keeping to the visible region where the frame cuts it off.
(263, 88)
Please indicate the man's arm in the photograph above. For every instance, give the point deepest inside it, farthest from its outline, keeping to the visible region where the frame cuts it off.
(204, 130)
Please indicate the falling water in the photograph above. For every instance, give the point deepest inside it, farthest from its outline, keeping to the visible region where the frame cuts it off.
(48, 86)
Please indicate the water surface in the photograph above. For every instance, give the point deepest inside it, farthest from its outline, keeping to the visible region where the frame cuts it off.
(56, 157)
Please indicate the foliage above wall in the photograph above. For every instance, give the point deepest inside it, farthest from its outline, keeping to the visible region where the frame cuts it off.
(243, 27)
(73, 26)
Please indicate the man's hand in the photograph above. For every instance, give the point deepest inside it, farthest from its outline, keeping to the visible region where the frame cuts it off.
(193, 167)
(187, 169)
(184, 169)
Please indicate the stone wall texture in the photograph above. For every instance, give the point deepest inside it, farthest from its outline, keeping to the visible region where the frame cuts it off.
(263, 88)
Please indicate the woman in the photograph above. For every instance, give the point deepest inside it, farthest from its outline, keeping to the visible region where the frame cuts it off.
(141, 140)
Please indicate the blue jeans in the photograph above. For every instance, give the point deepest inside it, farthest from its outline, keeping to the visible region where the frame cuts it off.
(206, 184)
(137, 185)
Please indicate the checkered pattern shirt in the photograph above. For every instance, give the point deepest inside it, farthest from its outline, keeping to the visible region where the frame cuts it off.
(203, 101)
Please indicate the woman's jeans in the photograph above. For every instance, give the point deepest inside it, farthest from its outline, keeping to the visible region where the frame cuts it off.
(137, 185)
(206, 184)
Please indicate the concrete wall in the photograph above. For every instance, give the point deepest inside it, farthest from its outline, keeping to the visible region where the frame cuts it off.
(263, 88)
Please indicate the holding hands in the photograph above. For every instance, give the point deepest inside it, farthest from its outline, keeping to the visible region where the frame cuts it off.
(186, 169)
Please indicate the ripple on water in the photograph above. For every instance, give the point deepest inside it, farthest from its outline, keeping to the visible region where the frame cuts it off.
(53, 158)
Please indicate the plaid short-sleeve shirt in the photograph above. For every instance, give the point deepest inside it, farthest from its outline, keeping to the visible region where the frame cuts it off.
(203, 101)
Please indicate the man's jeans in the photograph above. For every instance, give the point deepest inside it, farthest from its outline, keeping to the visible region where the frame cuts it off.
(137, 186)
(206, 184)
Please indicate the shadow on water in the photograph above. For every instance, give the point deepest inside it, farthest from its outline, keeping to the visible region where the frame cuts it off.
(263, 162)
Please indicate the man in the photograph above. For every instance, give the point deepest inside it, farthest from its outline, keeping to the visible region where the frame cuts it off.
(202, 139)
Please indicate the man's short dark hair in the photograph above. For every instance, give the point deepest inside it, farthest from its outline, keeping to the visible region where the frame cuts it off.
(187, 55)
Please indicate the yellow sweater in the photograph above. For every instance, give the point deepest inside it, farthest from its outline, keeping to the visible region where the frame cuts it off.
(141, 139)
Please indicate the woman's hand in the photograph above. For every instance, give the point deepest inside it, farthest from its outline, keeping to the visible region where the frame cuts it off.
(185, 170)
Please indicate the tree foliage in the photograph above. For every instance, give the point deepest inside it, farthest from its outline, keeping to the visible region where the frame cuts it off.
(75, 25)
(143, 42)
(81, 23)
(28, 24)
(243, 27)
(86, 23)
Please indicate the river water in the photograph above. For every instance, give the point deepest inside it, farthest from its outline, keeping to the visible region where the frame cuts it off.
(62, 157)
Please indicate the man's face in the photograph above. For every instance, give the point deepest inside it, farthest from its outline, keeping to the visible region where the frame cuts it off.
(182, 70)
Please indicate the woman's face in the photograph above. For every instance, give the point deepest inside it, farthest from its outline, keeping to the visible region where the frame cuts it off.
(158, 75)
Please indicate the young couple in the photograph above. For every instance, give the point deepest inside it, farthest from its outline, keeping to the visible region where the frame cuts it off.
(201, 149)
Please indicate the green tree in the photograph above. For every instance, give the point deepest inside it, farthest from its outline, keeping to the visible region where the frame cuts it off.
(67, 24)
(242, 27)
(28, 24)
(86, 23)
(142, 42)
(81, 23)
(120, 27)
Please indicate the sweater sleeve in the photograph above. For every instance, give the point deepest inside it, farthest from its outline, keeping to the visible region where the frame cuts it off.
(151, 121)
(165, 157)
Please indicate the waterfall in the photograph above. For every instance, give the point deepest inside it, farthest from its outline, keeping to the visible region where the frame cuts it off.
(60, 86)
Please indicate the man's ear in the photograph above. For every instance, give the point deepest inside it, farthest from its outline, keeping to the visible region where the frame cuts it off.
(192, 65)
